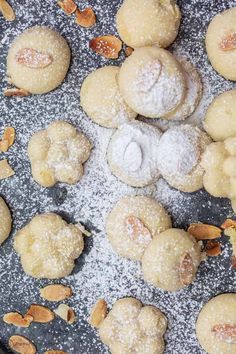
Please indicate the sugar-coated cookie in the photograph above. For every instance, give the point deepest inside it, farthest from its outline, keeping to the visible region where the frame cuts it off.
(38, 60)
(132, 153)
(152, 82)
(216, 325)
(220, 120)
(221, 43)
(171, 260)
(141, 23)
(179, 156)
(57, 154)
(133, 223)
(131, 327)
(48, 246)
(5, 221)
(101, 99)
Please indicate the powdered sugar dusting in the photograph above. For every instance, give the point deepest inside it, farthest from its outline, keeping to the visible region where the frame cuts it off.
(99, 271)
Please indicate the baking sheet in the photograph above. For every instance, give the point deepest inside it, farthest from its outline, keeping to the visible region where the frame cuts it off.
(99, 272)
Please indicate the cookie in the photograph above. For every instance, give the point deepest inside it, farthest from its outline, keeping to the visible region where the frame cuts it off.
(5, 221)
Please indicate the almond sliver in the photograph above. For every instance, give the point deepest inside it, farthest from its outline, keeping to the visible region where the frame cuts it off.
(186, 270)
(85, 18)
(9, 135)
(7, 11)
(98, 313)
(137, 231)
(4, 145)
(66, 313)
(56, 292)
(225, 332)
(17, 319)
(21, 345)
(40, 313)
(108, 46)
(229, 42)
(213, 249)
(68, 6)
(228, 223)
(5, 170)
(15, 92)
(204, 231)
(33, 59)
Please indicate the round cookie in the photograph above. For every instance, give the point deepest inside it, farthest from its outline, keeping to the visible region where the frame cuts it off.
(48, 246)
(57, 154)
(100, 98)
(6, 221)
(194, 92)
(133, 223)
(142, 23)
(221, 43)
(171, 260)
(152, 82)
(216, 325)
(132, 153)
(38, 60)
(220, 120)
(131, 327)
(179, 157)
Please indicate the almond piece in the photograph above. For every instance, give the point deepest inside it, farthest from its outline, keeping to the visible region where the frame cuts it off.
(9, 135)
(56, 292)
(55, 352)
(17, 319)
(4, 145)
(83, 230)
(40, 313)
(225, 332)
(85, 18)
(66, 313)
(5, 170)
(233, 262)
(7, 11)
(108, 46)
(128, 51)
(186, 270)
(17, 92)
(213, 249)
(33, 59)
(98, 313)
(137, 231)
(228, 223)
(21, 345)
(204, 231)
(229, 42)
(68, 6)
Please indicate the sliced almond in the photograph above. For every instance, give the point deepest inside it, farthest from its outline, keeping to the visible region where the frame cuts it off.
(66, 313)
(98, 313)
(233, 262)
(225, 332)
(68, 6)
(204, 231)
(17, 319)
(5, 170)
(7, 11)
(9, 135)
(33, 58)
(55, 352)
(21, 345)
(17, 92)
(229, 42)
(83, 230)
(56, 292)
(213, 249)
(228, 223)
(85, 18)
(4, 145)
(186, 270)
(128, 51)
(40, 313)
(137, 231)
(108, 46)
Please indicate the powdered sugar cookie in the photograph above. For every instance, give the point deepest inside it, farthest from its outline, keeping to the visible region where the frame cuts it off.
(132, 153)
(216, 325)
(171, 260)
(48, 246)
(142, 23)
(133, 223)
(220, 120)
(194, 92)
(179, 157)
(221, 43)
(131, 327)
(57, 154)
(5, 221)
(38, 60)
(101, 99)
(152, 82)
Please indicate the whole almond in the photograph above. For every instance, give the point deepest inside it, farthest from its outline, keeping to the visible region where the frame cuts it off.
(56, 292)
(229, 42)
(98, 313)
(40, 313)
(7, 11)
(137, 231)
(225, 332)
(108, 46)
(17, 319)
(186, 270)
(204, 231)
(85, 18)
(33, 59)
(66, 313)
(21, 345)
